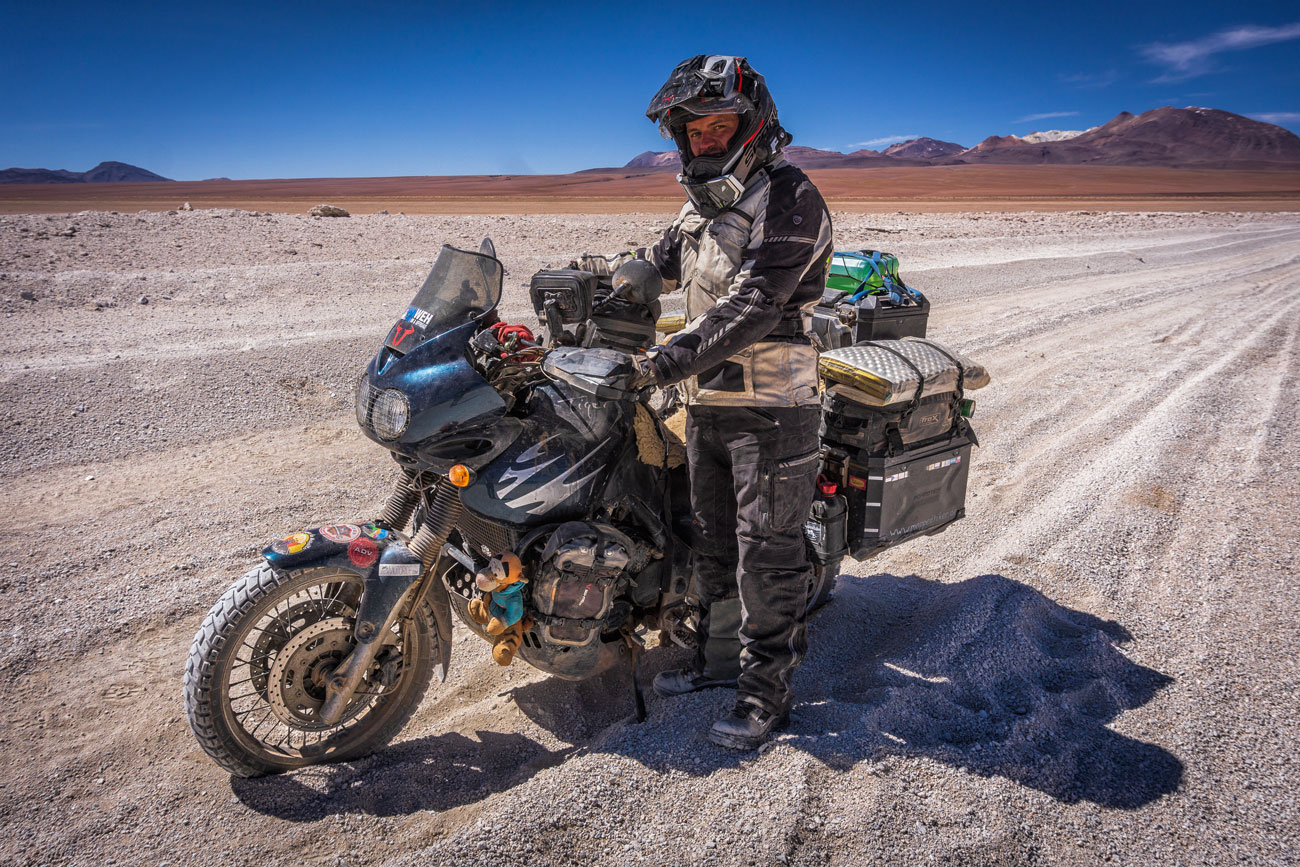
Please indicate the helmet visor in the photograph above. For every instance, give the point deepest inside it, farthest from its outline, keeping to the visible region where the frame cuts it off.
(672, 120)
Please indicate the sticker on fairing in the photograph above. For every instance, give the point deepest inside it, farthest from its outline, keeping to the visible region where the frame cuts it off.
(341, 533)
(941, 464)
(292, 544)
(400, 338)
(394, 569)
(896, 477)
(420, 317)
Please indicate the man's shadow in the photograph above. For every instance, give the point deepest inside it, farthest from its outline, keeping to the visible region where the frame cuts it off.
(988, 675)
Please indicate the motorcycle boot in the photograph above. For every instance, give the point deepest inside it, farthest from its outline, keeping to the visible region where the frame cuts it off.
(717, 657)
(679, 681)
(747, 727)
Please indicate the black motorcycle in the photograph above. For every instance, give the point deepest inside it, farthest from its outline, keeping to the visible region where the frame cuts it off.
(532, 472)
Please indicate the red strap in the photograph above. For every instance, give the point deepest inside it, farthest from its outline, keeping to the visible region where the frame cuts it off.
(503, 332)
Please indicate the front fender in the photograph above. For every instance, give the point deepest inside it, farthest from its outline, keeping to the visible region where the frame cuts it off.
(348, 545)
(388, 568)
(440, 604)
(399, 570)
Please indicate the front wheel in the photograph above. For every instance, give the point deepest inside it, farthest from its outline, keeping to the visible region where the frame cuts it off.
(257, 670)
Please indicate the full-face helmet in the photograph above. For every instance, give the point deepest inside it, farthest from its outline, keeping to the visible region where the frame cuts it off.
(718, 84)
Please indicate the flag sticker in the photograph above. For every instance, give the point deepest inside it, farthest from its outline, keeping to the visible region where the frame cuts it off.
(896, 477)
(941, 464)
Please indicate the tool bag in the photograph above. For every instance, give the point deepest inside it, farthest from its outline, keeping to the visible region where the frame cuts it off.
(583, 566)
(897, 441)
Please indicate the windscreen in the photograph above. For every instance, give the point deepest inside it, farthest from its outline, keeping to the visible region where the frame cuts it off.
(461, 286)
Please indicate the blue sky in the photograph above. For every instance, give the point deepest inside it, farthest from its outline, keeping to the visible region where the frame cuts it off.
(335, 89)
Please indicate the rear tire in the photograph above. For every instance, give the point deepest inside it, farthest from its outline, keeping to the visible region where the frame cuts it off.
(822, 584)
(236, 684)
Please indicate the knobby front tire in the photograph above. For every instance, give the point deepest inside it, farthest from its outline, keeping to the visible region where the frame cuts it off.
(258, 663)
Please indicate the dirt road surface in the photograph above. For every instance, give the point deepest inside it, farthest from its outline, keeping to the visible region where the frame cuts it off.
(1097, 664)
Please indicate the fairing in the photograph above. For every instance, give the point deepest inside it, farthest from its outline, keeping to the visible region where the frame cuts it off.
(558, 465)
(455, 413)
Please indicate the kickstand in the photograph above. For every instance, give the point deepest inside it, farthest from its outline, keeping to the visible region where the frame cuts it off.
(637, 694)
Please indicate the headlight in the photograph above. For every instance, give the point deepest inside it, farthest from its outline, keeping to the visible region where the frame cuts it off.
(390, 414)
(365, 397)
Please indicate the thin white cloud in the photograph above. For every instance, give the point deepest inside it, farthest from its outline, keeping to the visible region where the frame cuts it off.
(886, 140)
(1030, 118)
(1277, 116)
(1184, 60)
(1091, 80)
(53, 127)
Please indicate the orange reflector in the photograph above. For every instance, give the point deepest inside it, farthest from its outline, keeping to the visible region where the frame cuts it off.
(460, 475)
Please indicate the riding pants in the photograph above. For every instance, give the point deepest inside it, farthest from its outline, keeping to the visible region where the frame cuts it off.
(753, 471)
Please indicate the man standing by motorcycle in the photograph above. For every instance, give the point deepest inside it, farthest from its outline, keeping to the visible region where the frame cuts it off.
(750, 249)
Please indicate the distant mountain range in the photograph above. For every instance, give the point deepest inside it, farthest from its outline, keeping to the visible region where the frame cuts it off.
(107, 172)
(1168, 137)
(1192, 137)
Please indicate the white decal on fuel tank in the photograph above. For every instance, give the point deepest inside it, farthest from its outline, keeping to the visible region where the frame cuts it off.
(546, 497)
(523, 468)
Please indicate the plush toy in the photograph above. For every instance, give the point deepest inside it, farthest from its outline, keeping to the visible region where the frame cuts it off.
(507, 644)
(501, 609)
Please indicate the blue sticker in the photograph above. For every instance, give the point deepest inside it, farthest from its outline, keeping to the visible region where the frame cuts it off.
(420, 317)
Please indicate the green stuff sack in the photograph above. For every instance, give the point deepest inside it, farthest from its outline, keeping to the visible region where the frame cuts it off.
(862, 271)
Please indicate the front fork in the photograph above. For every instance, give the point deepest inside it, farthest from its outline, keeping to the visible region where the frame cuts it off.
(406, 572)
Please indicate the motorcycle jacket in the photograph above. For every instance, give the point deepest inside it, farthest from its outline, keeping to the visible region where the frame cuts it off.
(751, 275)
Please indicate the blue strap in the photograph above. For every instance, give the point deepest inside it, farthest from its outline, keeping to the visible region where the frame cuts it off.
(898, 292)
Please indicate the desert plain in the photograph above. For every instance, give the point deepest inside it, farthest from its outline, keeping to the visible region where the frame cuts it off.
(1098, 664)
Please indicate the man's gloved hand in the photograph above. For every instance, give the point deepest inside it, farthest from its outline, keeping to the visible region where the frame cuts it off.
(645, 372)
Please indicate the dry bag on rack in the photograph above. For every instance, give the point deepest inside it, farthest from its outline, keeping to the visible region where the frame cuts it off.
(865, 299)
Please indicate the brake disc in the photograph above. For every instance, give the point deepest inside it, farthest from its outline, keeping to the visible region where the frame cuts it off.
(273, 640)
(296, 688)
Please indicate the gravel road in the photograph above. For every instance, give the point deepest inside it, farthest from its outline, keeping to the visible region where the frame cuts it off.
(1097, 664)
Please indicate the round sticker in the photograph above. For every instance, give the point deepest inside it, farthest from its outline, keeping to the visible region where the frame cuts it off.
(363, 552)
(341, 533)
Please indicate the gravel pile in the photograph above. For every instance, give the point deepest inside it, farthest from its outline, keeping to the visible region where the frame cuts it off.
(1096, 664)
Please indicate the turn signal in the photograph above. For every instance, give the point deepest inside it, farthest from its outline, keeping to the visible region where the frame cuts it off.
(461, 476)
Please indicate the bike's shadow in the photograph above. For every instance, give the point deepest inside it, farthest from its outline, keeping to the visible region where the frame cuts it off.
(438, 773)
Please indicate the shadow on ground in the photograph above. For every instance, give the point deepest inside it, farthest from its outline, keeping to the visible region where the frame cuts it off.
(438, 772)
(988, 675)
